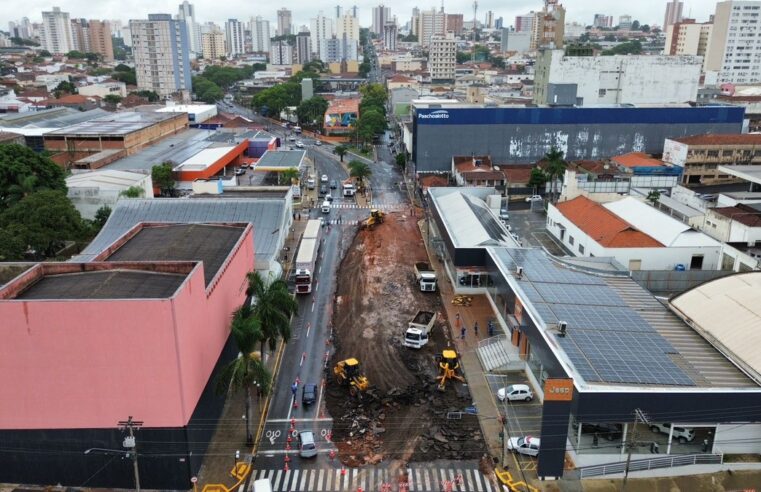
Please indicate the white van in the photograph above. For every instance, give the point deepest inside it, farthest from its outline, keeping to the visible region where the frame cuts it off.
(325, 207)
(263, 485)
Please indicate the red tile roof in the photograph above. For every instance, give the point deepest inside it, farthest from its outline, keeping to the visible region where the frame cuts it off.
(636, 159)
(741, 213)
(729, 139)
(483, 174)
(603, 226)
(516, 173)
(465, 163)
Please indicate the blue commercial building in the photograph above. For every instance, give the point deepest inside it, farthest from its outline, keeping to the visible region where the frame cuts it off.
(522, 135)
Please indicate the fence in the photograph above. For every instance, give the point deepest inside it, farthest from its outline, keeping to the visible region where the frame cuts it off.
(674, 281)
(651, 464)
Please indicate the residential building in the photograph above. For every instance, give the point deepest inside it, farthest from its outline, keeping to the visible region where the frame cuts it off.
(442, 58)
(281, 53)
(515, 41)
(415, 22)
(260, 34)
(603, 21)
(187, 14)
(213, 45)
(688, 38)
(701, 155)
(103, 89)
(636, 234)
(80, 35)
(355, 11)
(476, 171)
(673, 13)
(389, 36)
(284, 22)
(624, 22)
(161, 52)
(454, 23)
(335, 49)
(525, 22)
(431, 23)
(348, 26)
(548, 29)
(321, 28)
(339, 10)
(100, 39)
(303, 48)
(733, 52)
(489, 20)
(617, 79)
(381, 15)
(56, 32)
(235, 38)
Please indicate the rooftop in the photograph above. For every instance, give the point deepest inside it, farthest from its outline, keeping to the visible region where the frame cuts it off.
(751, 174)
(279, 160)
(187, 108)
(115, 124)
(204, 158)
(718, 139)
(636, 159)
(604, 226)
(104, 179)
(341, 106)
(749, 215)
(106, 284)
(36, 123)
(208, 243)
(465, 163)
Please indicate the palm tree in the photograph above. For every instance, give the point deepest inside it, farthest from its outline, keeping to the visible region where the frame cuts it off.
(273, 307)
(289, 175)
(247, 369)
(359, 170)
(341, 151)
(555, 167)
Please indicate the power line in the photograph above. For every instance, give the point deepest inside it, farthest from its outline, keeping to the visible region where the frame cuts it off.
(129, 442)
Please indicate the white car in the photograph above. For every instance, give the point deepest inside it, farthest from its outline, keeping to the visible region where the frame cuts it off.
(318, 143)
(515, 392)
(534, 198)
(300, 144)
(324, 178)
(524, 445)
(682, 434)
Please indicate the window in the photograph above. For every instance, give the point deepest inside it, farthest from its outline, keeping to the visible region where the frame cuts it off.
(570, 240)
(602, 92)
(581, 248)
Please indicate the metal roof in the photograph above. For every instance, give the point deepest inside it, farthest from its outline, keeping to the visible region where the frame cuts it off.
(115, 124)
(268, 216)
(176, 149)
(281, 159)
(106, 284)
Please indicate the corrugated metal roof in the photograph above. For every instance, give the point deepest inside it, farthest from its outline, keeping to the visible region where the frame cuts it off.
(268, 216)
(468, 220)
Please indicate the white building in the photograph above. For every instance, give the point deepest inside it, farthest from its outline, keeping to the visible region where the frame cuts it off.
(235, 38)
(303, 48)
(187, 13)
(390, 34)
(281, 53)
(618, 79)
(284, 22)
(381, 15)
(733, 52)
(636, 234)
(321, 27)
(56, 32)
(338, 49)
(574, 30)
(625, 22)
(518, 41)
(442, 57)
(688, 38)
(431, 23)
(104, 89)
(162, 54)
(260, 34)
(348, 26)
(92, 190)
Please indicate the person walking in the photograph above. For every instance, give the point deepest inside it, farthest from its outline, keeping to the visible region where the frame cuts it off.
(462, 333)
(475, 329)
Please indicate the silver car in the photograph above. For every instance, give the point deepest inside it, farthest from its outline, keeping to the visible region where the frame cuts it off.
(307, 446)
(524, 445)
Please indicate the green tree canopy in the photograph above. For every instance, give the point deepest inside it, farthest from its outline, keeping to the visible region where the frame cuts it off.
(12, 244)
(150, 95)
(340, 151)
(401, 160)
(101, 216)
(127, 76)
(633, 47)
(273, 100)
(537, 178)
(312, 111)
(206, 90)
(359, 170)
(273, 307)
(113, 99)
(163, 177)
(122, 68)
(23, 171)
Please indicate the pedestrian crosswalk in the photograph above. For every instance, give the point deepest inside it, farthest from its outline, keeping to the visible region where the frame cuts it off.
(376, 479)
(379, 205)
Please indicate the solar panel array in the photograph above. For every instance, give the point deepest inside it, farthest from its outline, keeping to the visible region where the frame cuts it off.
(606, 340)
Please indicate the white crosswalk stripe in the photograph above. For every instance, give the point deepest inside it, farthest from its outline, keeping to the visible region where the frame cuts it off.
(332, 480)
(382, 206)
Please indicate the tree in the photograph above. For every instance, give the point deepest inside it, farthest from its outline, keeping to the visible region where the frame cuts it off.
(555, 167)
(17, 41)
(359, 170)
(150, 95)
(66, 87)
(258, 67)
(410, 38)
(462, 57)
(23, 172)
(273, 306)
(132, 192)
(635, 25)
(247, 369)
(312, 111)
(341, 151)
(364, 68)
(401, 160)
(645, 28)
(374, 120)
(128, 77)
(122, 68)
(273, 100)
(101, 216)
(45, 53)
(46, 219)
(653, 197)
(11, 243)
(163, 177)
(537, 178)
(113, 99)
(289, 175)
(75, 54)
(629, 48)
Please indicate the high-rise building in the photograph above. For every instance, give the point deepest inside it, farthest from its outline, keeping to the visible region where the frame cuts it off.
(56, 32)
(489, 21)
(732, 51)
(284, 21)
(100, 39)
(624, 22)
(499, 23)
(80, 35)
(21, 29)
(127, 36)
(355, 11)
(260, 34)
(235, 38)
(389, 36)
(187, 14)
(335, 49)
(431, 23)
(442, 57)
(349, 26)
(213, 45)
(687, 37)
(321, 28)
(338, 11)
(281, 53)
(525, 22)
(303, 48)
(415, 22)
(515, 41)
(673, 13)
(454, 23)
(603, 21)
(161, 50)
(548, 30)
(381, 15)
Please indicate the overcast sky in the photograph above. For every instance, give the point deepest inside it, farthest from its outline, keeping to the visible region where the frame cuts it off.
(646, 11)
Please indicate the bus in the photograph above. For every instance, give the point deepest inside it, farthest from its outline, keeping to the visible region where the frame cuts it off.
(306, 258)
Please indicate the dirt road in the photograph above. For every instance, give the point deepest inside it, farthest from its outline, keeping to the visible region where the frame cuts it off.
(403, 416)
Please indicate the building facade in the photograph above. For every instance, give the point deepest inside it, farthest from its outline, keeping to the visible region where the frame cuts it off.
(673, 13)
(321, 28)
(525, 23)
(733, 52)
(161, 51)
(688, 38)
(235, 38)
(602, 20)
(454, 23)
(100, 39)
(618, 79)
(381, 15)
(431, 23)
(442, 58)
(260, 34)
(348, 26)
(80, 35)
(303, 48)
(518, 41)
(213, 45)
(187, 13)
(56, 32)
(701, 155)
(281, 53)
(548, 29)
(284, 22)
(389, 36)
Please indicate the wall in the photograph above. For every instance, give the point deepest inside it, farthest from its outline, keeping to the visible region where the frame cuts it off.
(522, 135)
(738, 438)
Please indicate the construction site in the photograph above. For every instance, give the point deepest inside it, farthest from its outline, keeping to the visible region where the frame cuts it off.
(388, 401)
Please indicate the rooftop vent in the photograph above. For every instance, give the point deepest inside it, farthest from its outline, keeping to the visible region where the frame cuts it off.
(562, 327)
(519, 272)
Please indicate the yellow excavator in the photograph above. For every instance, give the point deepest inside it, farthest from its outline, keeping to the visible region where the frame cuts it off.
(449, 367)
(376, 217)
(348, 373)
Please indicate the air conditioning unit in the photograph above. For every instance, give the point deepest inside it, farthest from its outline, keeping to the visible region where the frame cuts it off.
(519, 272)
(562, 327)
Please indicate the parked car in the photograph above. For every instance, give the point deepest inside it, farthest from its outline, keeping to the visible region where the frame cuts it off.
(333, 184)
(534, 198)
(683, 434)
(308, 394)
(515, 392)
(240, 172)
(608, 431)
(323, 190)
(318, 143)
(324, 178)
(291, 138)
(300, 144)
(329, 197)
(244, 166)
(524, 445)
(307, 445)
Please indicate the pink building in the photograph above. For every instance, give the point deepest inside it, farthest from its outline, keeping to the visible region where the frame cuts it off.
(139, 331)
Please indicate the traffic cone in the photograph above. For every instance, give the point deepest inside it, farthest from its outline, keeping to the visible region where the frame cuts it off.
(343, 471)
(287, 458)
(285, 468)
(295, 403)
(329, 436)
(293, 423)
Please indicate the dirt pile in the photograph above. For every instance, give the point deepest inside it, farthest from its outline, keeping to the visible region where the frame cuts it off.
(403, 416)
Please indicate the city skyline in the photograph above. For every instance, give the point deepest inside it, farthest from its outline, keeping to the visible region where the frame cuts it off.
(650, 12)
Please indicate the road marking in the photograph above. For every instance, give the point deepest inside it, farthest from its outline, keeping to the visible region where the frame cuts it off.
(278, 477)
(290, 407)
(319, 480)
(295, 478)
(309, 327)
(319, 270)
(319, 398)
(312, 306)
(303, 356)
(316, 286)
(316, 419)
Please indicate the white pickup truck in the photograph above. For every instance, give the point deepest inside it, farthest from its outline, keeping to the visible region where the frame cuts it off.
(419, 329)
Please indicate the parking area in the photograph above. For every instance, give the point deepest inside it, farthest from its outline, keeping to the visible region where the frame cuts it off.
(529, 225)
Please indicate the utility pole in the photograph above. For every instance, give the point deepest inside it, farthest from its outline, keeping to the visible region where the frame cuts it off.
(639, 416)
(130, 425)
